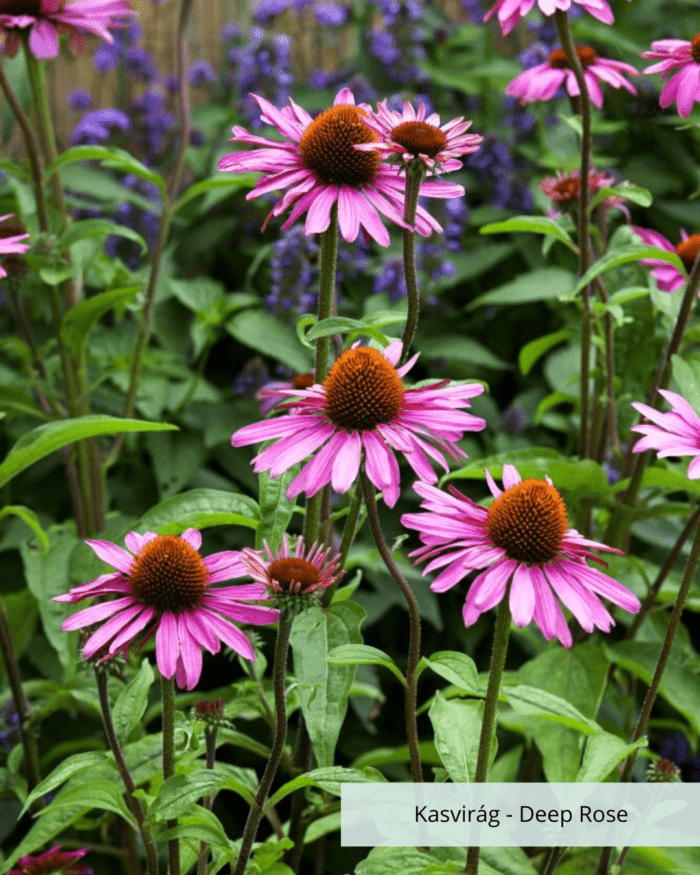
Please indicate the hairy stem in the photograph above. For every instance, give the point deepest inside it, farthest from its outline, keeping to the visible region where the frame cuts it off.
(133, 802)
(410, 700)
(564, 29)
(414, 176)
(501, 633)
(31, 755)
(208, 802)
(279, 672)
(168, 691)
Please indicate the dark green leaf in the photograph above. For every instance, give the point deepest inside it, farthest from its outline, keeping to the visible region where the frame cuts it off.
(131, 702)
(80, 320)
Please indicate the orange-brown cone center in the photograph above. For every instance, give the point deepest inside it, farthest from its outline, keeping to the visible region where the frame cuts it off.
(20, 7)
(528, 521)
(687, 251)
(362, 390)
(695, 48)
(419, 138)
(303, 381)
(568, 190)
(586, 56)
(169, 575)
(328, 147)
(293, 575)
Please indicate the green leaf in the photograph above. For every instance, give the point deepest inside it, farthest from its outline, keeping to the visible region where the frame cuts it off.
(533, 702)
(178, 793)
(457, 668)
(200, 509)
(53, 821)
(30, 518)
(108, 156)
(461, 349)
(46, 439)
(131, 702)
(81, 319)
(329, 779)
(201, 825)
(543, 284)
(262, 332)
(603, 752)
(276, 510)
(222, 183)
(74, 765)
(323, 687)
(103, 795)
(363, 654)
(533, 224)
(533, 351)
(86, 228)
(627, 190)
(680, 682)
(687, 375)
(624, 255)
(457, 729)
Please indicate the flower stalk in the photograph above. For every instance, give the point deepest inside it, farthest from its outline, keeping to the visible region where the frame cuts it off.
(208, 803)
(411, 681)
(414, 176)
(134, 803)
(168, 693)
(488, 725)
(279, 673)
(564, 30)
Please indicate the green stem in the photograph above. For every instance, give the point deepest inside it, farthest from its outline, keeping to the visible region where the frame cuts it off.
(410, 699)
(414, 177)
(133, 801)
(31, 756)
(168, 692)
(348, 537)
(564, 29)
(159, 246)
(488, 725)
(279, 672)
(326, 301)
(208, 802)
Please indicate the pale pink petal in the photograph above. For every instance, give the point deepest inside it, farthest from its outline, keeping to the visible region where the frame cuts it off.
(193, 538)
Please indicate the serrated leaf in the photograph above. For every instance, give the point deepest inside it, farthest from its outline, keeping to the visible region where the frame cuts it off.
(46, 439)
(74, 765)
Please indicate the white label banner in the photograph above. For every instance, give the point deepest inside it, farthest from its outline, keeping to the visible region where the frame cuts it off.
(520, 815)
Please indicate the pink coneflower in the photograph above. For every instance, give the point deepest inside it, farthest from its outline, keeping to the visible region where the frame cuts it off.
(52, 861)
(363, 405)
(675, 433)
(511, 11)
(300, 573)
(684, 85)
(668, 277)
(409, 134)
(167, 584)
(544, 80)
(11, 245)
(522, 538)
(564, 190)
(47, 19)
(319, 166)
(268, 395)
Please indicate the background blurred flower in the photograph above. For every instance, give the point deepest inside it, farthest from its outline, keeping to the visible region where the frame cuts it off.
(509, 12)
(53, 861)
(11, 245)
(668, 277)
(676, 433)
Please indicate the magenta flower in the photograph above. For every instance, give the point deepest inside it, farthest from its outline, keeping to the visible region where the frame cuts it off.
(684, 85)
(364, 406)
(11, 245)
(166, 585)
(511, 11)
(319, 166)
(409, 134)
(675, 433)
(49, 18)
(52, 861)
(668, 277)
(522, 538)
(298, 574)
(268, 395)
(544, 80)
